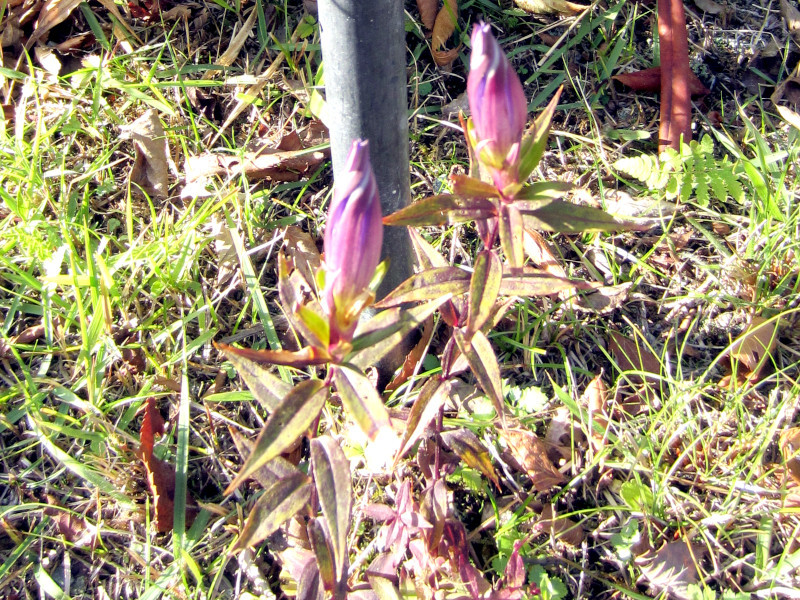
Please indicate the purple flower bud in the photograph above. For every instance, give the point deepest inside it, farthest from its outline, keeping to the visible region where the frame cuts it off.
(353, 241)
(498, 106)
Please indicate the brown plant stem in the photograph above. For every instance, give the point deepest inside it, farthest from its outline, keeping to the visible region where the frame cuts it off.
(676, 108)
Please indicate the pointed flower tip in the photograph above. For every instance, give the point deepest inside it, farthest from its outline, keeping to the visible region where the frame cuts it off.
(497, 103)
(353, 239)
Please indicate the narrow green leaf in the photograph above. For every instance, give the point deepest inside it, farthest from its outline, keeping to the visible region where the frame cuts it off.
(511, 232)
(290, 419)
(428, 285)
(539, 192)
(273, 508)
(430, 399)
(332, 479)
(535, 140)
(381, 334)
(445, 209)
(483, 289)
(316, 324)
(470, 449)
(322, 546)
(464, 185)
(267, 389)
(301, 358)
(565, 217)
(480, 356)
(293, 290)
(530, 284)
(361, 401)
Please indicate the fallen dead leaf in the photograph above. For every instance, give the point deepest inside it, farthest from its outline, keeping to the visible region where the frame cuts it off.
(414, 357)
(25, 337)
(443, 28)
(177, 12)
(427, 12)
(790, 448)
(301, 254)
(633, 355)
(561, 528)
(594, 398)
(786, 98)
(709, 6)
(538, 251)
(272, 166)
(672, 568)
(546, 7)
(160, 474)
(151, 165)
(603, 300)
(649, 80)
(457, 105)
(753, 348)
(11, 31)
(531, 454)
(52, 13)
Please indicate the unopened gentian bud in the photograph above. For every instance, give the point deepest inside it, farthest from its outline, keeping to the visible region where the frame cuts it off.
(352, 242)
(497, 105)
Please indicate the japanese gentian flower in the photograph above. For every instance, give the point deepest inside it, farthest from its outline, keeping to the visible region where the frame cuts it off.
(352, 243)
(498, 107)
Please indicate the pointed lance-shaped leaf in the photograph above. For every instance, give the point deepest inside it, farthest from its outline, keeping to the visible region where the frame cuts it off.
(332, 479)
(361, 401)
(483, 289)
(530, 282)
(386, 330)
(322, 545)
(533, 196)
(284, 499)
(565, 217)
(445, 209)
(269, 472)
(480, 356)
(469, 187)
(535, 140)
(267, 389)
(301, 358)
(511, 236)
(430, 399)
(290, 419)
(428, 285)
(470, 449)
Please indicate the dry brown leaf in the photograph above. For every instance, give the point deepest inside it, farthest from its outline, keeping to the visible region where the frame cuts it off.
(604, 300)
(709, 6)
(443, 28)
(300, 252)
(561, 528)
(25, 337)
(792, 17)
(790, 448)
(531, 454)
(672, 568)
(53, 12)
(177, 12)
(150, 167)
(649, 80)
(546, 7)
(414, 357)
(754, 347)
(594, 397)
(111, 7)
(273, 166)
(11, 32)
(786, 98)
(633, 355)
(539, 252)
(457, 105)
(235, 45)
(427, 12)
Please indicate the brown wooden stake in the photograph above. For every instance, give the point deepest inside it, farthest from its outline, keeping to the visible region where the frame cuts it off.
(676, 107)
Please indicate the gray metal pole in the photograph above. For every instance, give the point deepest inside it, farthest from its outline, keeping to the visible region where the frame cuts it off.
(363, 48)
